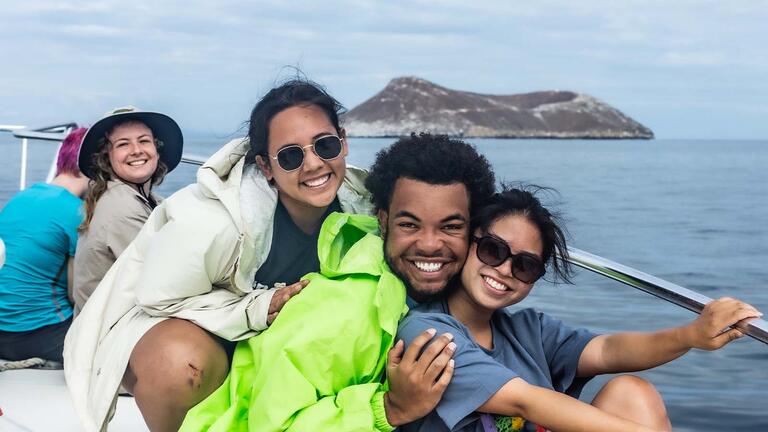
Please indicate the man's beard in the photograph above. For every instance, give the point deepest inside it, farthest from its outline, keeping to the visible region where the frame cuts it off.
(412, 293)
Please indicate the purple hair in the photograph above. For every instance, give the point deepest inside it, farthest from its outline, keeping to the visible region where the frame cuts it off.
(70, 147)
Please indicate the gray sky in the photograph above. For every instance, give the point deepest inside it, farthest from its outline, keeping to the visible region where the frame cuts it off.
(686, 69)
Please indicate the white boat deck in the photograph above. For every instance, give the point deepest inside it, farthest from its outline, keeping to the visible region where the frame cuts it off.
(38, 400)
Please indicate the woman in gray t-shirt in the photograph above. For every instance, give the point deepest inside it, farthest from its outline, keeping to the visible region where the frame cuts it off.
(524, 370)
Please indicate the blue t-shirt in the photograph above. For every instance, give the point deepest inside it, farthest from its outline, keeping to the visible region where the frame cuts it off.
(527, 344)
(39, 228)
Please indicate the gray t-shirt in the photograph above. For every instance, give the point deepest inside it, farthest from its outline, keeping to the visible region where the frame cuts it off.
(528, 344)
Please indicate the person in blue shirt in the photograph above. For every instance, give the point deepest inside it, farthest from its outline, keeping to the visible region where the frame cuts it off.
(520, 369)
(39, 228)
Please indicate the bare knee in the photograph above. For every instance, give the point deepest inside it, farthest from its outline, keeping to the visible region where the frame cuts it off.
(177, 358)
(635, 399)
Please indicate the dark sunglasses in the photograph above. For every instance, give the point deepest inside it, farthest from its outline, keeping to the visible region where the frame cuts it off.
(526, 268)
(291, 158)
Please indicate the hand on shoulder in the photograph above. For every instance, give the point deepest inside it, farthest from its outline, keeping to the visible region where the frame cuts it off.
(418, 377)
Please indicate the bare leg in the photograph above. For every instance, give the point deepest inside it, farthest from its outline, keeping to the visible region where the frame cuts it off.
(173, 367)
(635, 399)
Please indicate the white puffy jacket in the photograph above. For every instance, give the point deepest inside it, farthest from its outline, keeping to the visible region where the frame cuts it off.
(196, 259)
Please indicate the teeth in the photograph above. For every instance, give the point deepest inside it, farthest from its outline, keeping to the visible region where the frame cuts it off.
(495, 284)
(429, 267)
(318, 182)
(137, 163)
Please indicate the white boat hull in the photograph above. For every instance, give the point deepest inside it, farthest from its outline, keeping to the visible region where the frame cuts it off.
(38, 400)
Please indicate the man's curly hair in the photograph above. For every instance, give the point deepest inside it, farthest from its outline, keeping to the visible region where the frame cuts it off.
(432, 159)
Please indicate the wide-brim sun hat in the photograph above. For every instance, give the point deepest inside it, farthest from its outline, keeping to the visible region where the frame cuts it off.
(163, 128)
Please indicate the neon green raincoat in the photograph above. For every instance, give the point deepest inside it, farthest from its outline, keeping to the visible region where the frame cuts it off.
(320, 365)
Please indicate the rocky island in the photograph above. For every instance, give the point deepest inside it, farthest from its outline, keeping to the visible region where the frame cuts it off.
(411, 104)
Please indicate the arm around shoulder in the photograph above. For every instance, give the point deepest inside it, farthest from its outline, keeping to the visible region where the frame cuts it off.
(471, 374)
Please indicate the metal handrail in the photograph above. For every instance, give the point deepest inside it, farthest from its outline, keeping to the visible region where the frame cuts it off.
(683, 297)
(193, 159)
(48, 133)
(10, 128)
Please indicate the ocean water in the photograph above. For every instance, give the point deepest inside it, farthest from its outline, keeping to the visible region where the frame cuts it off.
(693, 212)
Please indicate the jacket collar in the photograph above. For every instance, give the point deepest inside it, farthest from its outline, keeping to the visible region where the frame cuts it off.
(125, 188)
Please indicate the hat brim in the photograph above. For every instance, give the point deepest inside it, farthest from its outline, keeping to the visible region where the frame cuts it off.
(163, 128)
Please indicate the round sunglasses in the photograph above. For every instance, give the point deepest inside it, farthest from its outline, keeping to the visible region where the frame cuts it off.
(290, 158)
(526, 267)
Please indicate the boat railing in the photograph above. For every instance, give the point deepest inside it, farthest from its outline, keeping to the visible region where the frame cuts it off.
(193, 159)
(663, 289)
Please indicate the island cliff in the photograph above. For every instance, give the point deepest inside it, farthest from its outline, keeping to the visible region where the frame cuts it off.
(411, 104)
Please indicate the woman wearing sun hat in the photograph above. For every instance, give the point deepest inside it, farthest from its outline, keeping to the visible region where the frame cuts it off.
(125, 154)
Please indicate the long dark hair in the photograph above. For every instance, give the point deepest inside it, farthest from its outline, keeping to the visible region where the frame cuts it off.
(522, 200)
(295, 92)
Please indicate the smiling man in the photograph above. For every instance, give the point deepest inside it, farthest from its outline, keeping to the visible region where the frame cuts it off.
(425, 188)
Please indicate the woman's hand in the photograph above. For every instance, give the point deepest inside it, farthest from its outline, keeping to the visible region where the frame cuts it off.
(417, 382)
(281, 297)
(710, 331)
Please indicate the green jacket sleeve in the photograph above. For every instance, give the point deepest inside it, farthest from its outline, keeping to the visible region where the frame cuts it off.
(347, 411)
(320, 365)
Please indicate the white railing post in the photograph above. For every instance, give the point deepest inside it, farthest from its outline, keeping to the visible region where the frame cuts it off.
(23, 174)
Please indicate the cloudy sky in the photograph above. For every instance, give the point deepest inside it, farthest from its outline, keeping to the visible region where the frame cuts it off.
(686, 69)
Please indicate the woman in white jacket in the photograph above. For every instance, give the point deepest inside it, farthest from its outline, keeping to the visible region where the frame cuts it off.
(197, 259)
(198, 274)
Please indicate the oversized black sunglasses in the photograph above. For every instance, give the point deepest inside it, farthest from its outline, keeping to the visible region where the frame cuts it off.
(291, 158)
(526, 267)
